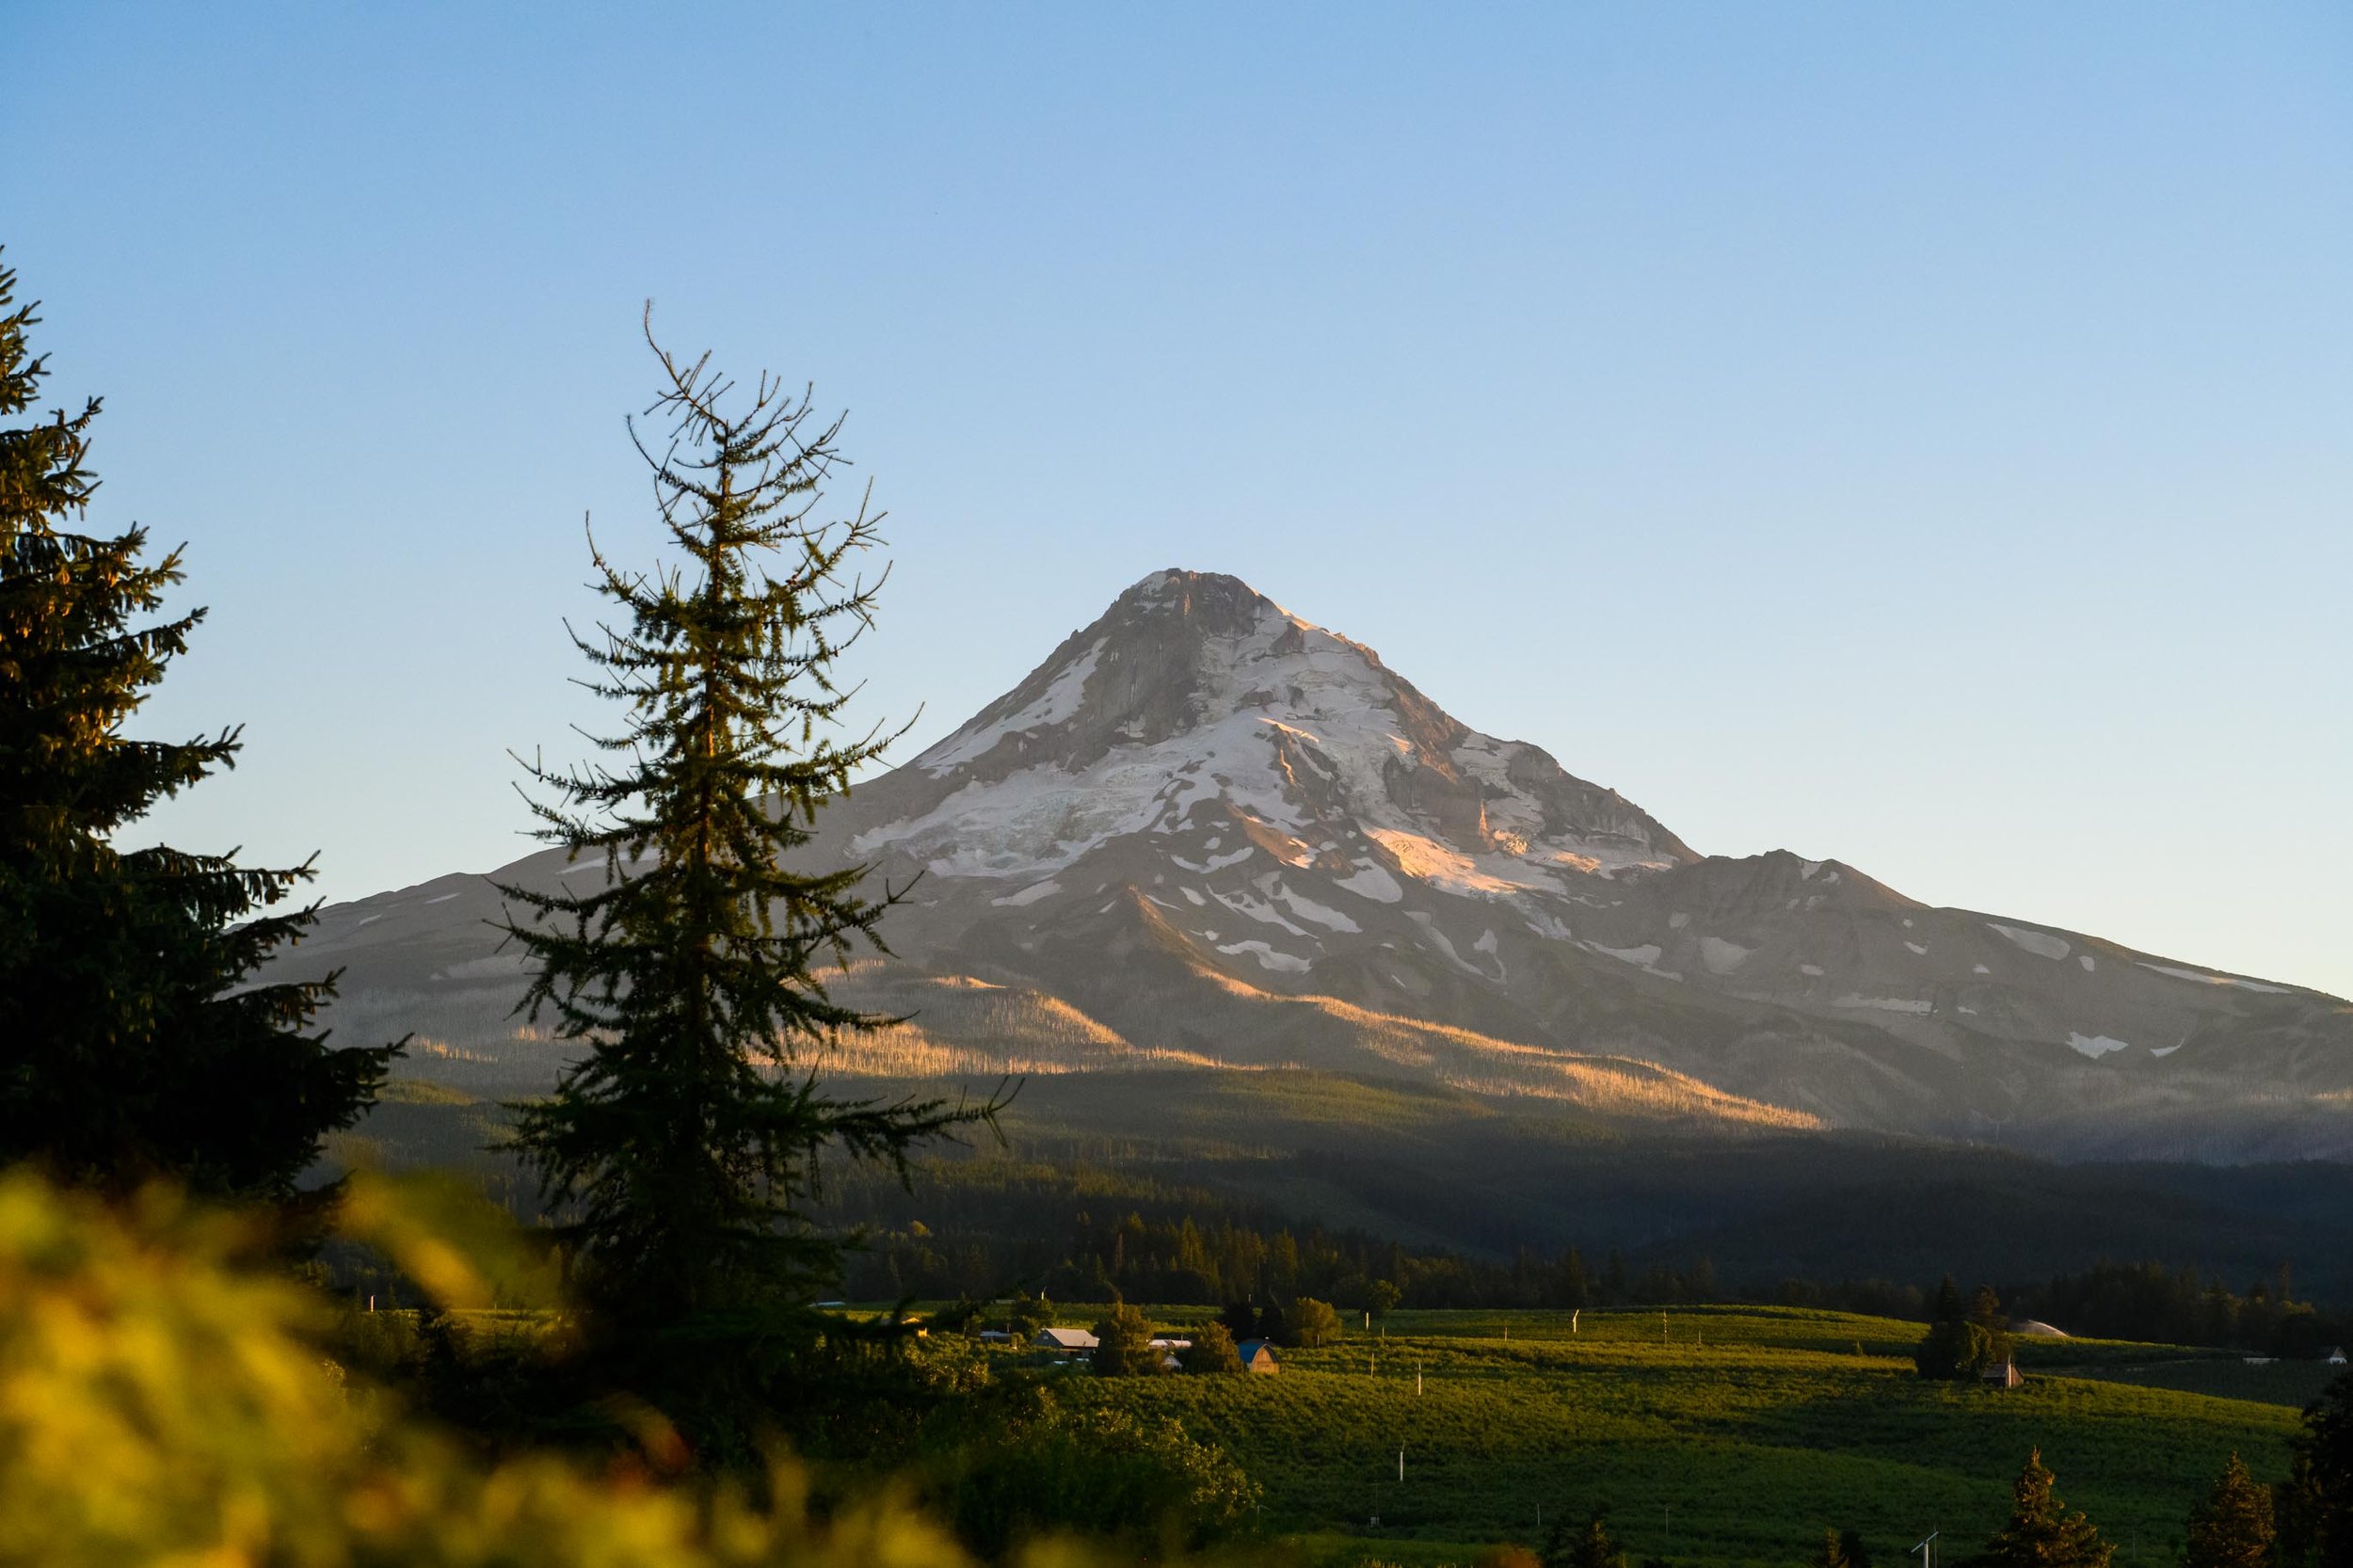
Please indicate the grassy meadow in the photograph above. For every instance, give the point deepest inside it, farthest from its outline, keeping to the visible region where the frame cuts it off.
(1729, 1435)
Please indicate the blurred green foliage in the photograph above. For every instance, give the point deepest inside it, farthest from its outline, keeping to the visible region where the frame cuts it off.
(165, 1399)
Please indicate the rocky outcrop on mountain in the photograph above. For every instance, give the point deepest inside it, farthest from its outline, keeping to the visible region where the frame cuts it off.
(1206, 831)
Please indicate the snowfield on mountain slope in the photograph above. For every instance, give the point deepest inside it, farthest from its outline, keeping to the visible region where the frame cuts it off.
(1283, 697)
(1200, 810)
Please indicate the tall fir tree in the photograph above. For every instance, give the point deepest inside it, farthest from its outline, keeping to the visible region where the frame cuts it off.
(683, 1143)
(136, 1045)
(2040, 1532)
(2231, 1525)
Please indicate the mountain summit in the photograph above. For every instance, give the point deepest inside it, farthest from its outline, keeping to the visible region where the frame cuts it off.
(1205, 832)
(1197, 705)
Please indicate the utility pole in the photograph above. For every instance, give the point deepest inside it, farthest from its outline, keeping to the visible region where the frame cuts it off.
(1401, 1467)
(1927, 1550)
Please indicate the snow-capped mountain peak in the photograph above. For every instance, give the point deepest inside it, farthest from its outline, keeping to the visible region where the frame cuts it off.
(1205, 832)
(1195, 703)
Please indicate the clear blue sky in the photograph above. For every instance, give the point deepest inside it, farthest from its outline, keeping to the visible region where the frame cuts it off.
(1921, 435)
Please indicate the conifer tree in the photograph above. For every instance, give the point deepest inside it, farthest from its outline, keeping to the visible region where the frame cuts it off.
(1587, 1543)
(2232, 1527)
(136, 1045)
(685, 1139)
(2040, 1532)
(2313, 1507)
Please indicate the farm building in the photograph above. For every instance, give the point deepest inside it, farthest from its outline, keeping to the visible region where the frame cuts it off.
(1067, 1340)
(1258, 1355)
(2335, 1358)
(2004, 1376)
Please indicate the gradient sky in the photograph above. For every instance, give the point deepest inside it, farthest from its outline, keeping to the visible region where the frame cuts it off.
(1921, 435)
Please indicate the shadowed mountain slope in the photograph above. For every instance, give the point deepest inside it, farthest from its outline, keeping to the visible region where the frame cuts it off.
(1205, 832)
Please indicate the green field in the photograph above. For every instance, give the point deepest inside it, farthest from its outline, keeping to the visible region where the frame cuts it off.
(1725, 1435)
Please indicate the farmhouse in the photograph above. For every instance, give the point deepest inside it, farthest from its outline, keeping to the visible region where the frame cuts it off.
(1258, 1355)
(1067, 1340)
(2004, 1376)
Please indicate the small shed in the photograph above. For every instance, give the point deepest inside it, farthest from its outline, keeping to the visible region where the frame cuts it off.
(1258, 1355)
(1067, 1340)
(2335, 1358)
(2004, 1376)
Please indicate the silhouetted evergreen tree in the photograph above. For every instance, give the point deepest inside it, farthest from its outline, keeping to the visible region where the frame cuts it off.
(136, 1045)
(1581, 1543)
(2313, 1507)
(2040, 1532)
(686, 1140)
(1962, 1343)
(1271, 1326)
(1574, 1289)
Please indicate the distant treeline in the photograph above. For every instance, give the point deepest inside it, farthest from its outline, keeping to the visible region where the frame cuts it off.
(2143, 1301)
(1098, 1235)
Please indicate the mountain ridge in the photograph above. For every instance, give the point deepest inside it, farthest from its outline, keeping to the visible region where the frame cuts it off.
(1201, 807)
